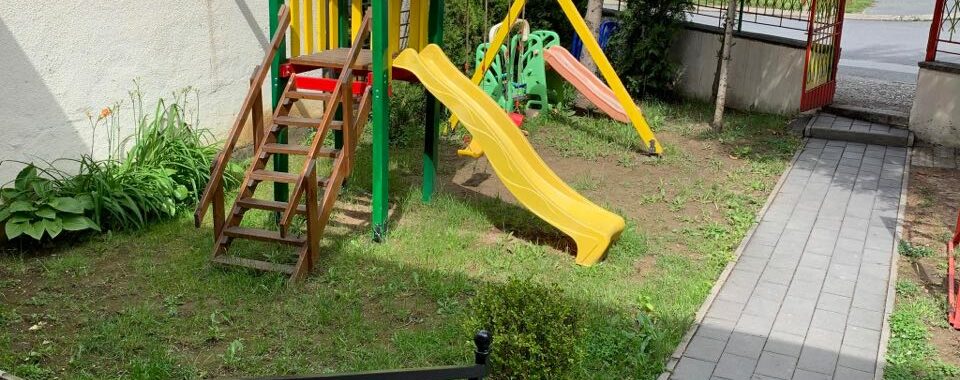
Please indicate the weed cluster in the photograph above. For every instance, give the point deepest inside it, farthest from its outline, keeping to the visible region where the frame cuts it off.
(910, 355)
(914, 251)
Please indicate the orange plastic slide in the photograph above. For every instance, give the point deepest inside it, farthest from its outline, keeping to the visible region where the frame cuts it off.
(588, 84)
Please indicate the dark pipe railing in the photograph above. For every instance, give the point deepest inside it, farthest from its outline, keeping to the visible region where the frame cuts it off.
(477, 371)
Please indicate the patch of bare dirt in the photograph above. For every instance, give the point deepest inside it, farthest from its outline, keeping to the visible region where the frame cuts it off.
(641, 190)
(932, 201)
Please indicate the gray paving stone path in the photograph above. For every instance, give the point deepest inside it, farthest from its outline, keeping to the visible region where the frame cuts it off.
(807, 297)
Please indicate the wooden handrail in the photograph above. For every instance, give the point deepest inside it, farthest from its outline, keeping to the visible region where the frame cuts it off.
(216, 174)
(346, 77)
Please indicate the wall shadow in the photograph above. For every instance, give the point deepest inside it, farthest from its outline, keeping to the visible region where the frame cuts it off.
(35, 127)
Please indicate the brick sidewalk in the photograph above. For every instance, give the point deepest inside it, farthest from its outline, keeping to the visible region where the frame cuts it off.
(807, 297)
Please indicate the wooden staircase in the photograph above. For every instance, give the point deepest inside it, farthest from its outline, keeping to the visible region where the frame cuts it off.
(319, 194)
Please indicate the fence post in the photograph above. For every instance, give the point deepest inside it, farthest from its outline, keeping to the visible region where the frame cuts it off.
(935, 26)
(483, 339)
(740, 17)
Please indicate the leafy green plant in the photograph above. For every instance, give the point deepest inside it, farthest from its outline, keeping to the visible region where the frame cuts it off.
(639, 49)
(32, 208)
(536, 331)
(914, 251)
(233, 354)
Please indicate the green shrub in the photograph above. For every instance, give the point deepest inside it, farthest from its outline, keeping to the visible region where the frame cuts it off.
(536, 332)
(406, 114)
(640, 48)
(32, 208)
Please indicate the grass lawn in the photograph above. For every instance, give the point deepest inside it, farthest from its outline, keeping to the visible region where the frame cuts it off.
(148, 304)
(922, 344)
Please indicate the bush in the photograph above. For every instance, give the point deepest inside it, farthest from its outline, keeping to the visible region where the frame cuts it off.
(640, 48)
(536, 332)
(407, 109)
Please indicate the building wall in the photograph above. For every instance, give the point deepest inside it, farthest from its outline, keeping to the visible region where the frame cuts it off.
(766, 74)
(936, 107)
(64, 59)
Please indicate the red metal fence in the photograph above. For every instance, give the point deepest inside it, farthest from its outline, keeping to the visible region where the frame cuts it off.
(944, 42)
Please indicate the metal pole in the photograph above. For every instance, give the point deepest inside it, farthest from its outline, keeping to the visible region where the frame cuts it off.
(280, 191)
(381, 117)
(431, 132)
(935, 27)
(740, 17)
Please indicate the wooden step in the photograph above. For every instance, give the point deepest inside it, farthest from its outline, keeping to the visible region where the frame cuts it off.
(253, 264)
(262, 204)
(269, 175)
(302, 150)
(308, 95)
(262, 235)
(304, 122)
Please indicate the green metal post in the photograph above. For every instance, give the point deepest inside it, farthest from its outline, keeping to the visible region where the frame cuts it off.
(431, 132)
(343, 12)
(381, 117)
(280, 163)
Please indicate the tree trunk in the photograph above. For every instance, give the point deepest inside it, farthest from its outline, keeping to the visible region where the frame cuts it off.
(593, 18)
(727, 44)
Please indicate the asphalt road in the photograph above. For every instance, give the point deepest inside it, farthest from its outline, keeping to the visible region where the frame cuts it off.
(883, 50)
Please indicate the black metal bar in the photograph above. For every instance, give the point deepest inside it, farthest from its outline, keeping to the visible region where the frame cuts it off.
(435, 373)
(478, 371)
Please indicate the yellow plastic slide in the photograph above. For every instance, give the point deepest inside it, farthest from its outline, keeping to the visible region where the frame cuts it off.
(516, 163)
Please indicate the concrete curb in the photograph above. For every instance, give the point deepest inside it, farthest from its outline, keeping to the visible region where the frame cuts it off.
(892, 285)
(7, 376)
(722, 279)
(870, 17)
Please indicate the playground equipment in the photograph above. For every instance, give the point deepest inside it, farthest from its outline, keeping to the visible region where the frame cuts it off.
(532, 84)
(353, 86)
(953, 308)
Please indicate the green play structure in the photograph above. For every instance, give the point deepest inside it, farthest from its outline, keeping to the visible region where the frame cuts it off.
(517, 79)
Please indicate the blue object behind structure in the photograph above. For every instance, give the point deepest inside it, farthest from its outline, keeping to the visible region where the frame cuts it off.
(607, 28)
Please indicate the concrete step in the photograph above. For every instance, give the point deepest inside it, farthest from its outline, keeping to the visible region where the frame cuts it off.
(833, 127)
(891, 118)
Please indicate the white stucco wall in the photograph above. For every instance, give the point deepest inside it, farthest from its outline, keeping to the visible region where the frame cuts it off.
(935, 116)
(763, 76)
(61, 59)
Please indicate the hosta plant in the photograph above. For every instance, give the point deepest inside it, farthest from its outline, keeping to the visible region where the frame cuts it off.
(31, 208)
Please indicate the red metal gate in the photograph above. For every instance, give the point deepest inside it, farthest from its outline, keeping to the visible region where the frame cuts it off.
(944, 42)
(823, 53)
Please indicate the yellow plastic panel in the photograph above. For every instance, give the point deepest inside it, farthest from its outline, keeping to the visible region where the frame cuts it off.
(514, 160)
(413, 25)
(320, 20)
(356, 17)
(295, 17)
(309, 31)
(394, 13)
(333, 24)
